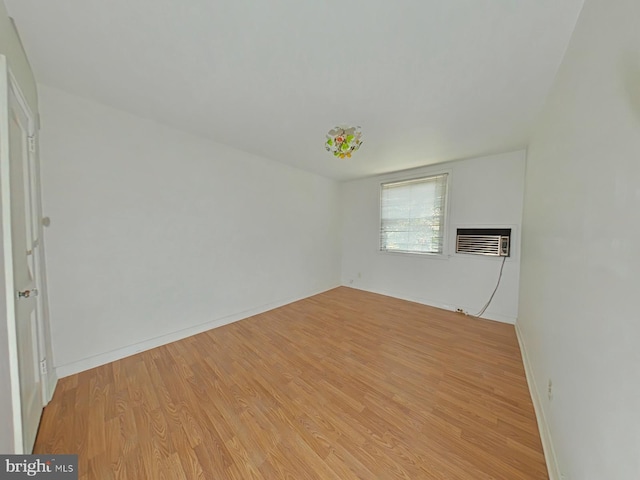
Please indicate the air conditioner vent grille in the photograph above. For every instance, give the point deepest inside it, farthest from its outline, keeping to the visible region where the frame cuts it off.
(492, 242)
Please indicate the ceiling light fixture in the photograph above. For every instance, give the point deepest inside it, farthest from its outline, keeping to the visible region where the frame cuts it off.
(342, 141)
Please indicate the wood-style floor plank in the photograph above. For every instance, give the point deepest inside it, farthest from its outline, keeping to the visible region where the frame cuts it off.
(342, 385)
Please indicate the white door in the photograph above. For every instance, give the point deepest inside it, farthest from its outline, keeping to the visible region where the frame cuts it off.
(23, 256)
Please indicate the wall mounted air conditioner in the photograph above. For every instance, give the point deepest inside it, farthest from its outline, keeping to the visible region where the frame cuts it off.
(494, 242)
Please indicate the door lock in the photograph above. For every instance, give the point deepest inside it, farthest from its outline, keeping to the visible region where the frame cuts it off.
(28, 293)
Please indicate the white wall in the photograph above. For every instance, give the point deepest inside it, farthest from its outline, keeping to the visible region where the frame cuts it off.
(579, 317)
(484, 191)
(156, 234)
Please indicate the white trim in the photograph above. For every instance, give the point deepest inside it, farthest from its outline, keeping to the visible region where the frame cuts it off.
(497, 317)
(51, 381)
(22, 101)
(7, 250)
(107, 357)
(543, 426)
(430, 256)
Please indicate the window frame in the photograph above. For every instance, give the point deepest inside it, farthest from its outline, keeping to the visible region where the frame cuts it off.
(399, 178)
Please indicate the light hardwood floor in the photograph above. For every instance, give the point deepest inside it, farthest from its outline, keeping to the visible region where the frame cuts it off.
(343, 385)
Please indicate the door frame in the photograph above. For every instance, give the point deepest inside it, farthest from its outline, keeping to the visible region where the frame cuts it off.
(9, 84)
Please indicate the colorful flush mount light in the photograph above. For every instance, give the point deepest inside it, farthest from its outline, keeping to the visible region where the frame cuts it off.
(343, 141)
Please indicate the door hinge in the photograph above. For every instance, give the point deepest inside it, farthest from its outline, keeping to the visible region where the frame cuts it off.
(32, 144)
(43, 367)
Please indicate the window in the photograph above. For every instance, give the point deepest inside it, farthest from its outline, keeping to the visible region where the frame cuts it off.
(412, 215)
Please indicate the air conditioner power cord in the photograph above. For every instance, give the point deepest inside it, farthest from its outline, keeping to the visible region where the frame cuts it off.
(486, 305)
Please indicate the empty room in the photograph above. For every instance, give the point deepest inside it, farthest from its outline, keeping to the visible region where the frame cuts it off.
(320, 240)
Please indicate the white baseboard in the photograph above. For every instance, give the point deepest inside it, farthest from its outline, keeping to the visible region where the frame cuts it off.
(113, 355)
(543, 426)
(424, 301)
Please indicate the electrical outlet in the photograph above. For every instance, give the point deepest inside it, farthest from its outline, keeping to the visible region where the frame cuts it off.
(550, 390)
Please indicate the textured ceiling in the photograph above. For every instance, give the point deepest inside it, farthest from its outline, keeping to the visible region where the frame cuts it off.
(428, 80)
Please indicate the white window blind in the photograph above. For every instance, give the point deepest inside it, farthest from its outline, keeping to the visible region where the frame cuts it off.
(413, 214)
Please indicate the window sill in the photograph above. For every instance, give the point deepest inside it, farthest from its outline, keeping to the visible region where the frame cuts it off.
(431, 256)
